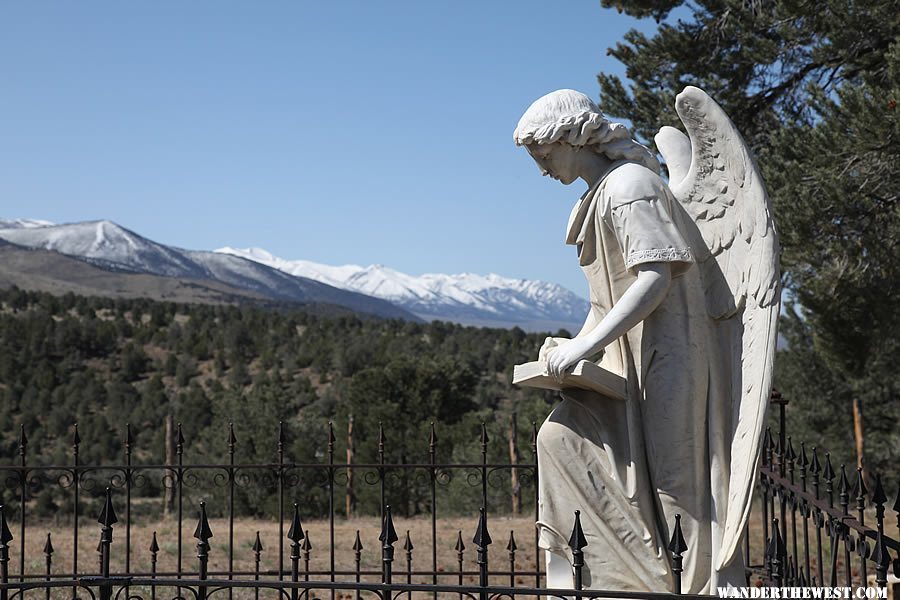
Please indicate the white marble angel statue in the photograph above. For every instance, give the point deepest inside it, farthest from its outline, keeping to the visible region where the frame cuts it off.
(684, 290)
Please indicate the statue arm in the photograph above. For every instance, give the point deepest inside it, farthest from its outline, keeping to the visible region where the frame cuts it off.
(636, 304)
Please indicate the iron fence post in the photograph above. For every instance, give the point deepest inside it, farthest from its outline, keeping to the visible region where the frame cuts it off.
(408, 549)
(295, 534)
(511, 548)
(154, 551)
(76, 497)
(5, 538)
(257, 550)
(879, 553)
(357, 559)
(776, 552)
(388, 537)
(460, 550)
(48, 557)
(203, 534)
(107, 519)
(577, 542)
(482, 540)
(677, 546)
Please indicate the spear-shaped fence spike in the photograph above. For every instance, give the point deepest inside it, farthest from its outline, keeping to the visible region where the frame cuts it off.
(357, 544)
(776, 553)
(232, 440)
(380, 442)
(154, 545)
(76, 439)
(179, 440)
(108, 514)
(23, 440)
(861, 490)
(460, 546)
(129, 438)
(306, 545)
(482, 537)
(511, 546)
(281, 438)
(203, 532)
(388, 533)
(576, 543)
(677, 546)
(804, 460)
(814, 466)
(432, 438)
(295, 533)
(844, 489)
(407, 544)
(257, 544)
(484, 435)
(5, 534)
(878, 495)
(331, 438)
(577, 540)
(48, 546)
(789, 453)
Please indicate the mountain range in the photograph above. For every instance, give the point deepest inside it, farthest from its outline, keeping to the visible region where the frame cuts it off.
(127, 263)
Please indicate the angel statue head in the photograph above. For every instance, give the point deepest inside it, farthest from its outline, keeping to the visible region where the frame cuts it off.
(557, 127)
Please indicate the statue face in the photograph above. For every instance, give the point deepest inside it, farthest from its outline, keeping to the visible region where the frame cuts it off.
(558, 160)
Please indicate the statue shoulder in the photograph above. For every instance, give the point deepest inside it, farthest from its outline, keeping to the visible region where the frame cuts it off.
(630, 182)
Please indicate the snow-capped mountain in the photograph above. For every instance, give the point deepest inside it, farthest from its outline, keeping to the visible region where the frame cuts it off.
(115, 248)
(23, 223)
(467, 298)
(488, 300)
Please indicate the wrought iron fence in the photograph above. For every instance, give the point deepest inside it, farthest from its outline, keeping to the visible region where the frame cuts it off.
(785, 560)
(810, 504)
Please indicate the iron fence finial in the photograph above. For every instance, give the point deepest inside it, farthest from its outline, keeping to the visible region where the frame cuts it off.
(48, 546)
(6, 535)
(203, 531)
(129, 438)
(295, 533)
(407, 544)
(388, 533)
(511, 546)
(154, 545)
(257, 544)
(878, 495)
(577, 540)
(460, 546)
(76, 439)
(232, 440)
(482, 537)
(357, 544)
(677, 545)
(108, 514)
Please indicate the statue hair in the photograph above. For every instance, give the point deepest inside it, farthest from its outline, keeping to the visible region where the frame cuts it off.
(572, 118)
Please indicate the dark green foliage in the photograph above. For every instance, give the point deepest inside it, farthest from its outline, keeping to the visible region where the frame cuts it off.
(813, 86)
(106, 363)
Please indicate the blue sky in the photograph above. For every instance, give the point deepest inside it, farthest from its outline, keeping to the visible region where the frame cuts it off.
(335, 131)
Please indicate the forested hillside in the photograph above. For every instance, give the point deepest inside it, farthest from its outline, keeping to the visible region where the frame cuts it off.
(104, 363)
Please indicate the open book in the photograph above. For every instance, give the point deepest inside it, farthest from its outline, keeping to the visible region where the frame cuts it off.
(586, 375)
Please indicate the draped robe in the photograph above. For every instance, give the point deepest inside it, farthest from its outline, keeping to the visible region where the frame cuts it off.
(630, 466)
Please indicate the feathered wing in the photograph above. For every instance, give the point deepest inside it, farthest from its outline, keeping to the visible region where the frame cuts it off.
(722, 191)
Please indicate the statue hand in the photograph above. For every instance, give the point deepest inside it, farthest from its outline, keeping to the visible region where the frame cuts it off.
(549, 344)
(565, 356)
